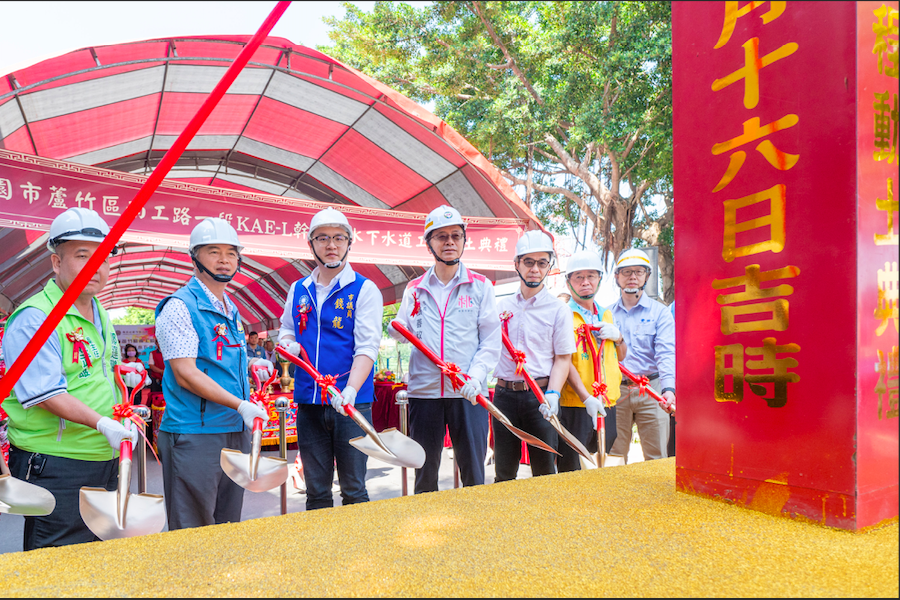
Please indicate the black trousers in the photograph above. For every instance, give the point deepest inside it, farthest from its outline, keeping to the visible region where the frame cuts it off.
(429, 419)
(521, 408)
(577, 421)
(62, 477)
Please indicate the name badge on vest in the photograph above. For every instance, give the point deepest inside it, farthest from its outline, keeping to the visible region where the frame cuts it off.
(301, 313)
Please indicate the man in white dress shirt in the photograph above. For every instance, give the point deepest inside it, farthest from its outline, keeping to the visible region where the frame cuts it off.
(539, 325)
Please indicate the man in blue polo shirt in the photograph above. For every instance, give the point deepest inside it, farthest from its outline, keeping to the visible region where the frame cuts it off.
(649, 331)
(335, 315)
(205, 384)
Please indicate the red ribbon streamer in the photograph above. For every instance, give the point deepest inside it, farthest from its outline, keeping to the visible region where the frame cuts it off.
(125, 412)
(302, 316)
(77, 339)
(452, 372)
(324, 381)
(416, 305)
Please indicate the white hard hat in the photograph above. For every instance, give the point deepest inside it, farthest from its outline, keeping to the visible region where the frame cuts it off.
(329, 217)
(584, 260)
(213, 230)
(443, 216)
(633, 258)
(534, 241)
(77, 224)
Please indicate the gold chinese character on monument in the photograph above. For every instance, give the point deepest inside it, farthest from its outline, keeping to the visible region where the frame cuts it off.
(888, 294)
(753, 63)
(752, 132)
(779, 377)
(886, 387)
(339, 304)
(886, 127)
(886, 40)
(773, 313)
(888, 205)
(733, 353)
(774, 221)
(336, 323)
(733, 13)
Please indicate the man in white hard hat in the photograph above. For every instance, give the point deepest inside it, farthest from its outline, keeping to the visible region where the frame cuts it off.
(205, 384)
(650, 330)
(540, 326)
(335, 315)
(452, 310)
(61, 433)
(582, 401)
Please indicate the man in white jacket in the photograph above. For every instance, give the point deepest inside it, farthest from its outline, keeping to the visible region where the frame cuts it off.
(453, 311)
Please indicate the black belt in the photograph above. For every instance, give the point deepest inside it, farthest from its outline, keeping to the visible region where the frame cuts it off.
(629, 383)
(521, 386)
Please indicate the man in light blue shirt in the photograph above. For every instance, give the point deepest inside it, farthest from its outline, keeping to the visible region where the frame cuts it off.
(649, 330)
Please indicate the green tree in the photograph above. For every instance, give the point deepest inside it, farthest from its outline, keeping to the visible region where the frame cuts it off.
(570, 100)
(136, 316)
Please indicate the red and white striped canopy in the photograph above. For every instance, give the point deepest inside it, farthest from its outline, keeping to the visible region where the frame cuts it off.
(296, 123)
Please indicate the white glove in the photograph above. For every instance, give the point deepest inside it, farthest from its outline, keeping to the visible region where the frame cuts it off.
(608, 331)
(551, 407)
(348, 396)
(264, 368)
(293, 348)
(133, 379)
(250, 411)
(115, 432)
(472, 388)
(594, 407)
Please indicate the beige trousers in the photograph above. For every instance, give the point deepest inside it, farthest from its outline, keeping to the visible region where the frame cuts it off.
(652, 423)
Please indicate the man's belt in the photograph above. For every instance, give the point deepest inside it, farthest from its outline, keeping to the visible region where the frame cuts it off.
(629, 383)
(521, 386)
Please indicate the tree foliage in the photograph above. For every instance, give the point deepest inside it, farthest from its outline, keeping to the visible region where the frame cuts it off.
(570, 100)
(136, 316)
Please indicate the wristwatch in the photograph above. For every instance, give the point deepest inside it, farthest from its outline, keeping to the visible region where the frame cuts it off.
(664, 390)
(620, 341)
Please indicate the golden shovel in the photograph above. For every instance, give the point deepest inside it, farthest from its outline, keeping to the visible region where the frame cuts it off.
(253, 471)
(389, 446)
(19, 497)
(121, 514)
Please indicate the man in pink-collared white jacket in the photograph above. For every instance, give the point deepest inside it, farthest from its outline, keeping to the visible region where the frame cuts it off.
(453, 311)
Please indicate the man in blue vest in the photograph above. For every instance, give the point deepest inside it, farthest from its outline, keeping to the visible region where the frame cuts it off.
(335, 315)
(205, 384)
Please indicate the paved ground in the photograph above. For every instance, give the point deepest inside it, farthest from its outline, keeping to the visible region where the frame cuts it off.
(382, 481)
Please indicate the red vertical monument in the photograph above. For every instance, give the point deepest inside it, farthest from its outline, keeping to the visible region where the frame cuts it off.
(785, 137)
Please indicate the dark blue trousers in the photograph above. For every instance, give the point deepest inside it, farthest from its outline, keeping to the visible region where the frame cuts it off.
(323, 438)
(468, 426)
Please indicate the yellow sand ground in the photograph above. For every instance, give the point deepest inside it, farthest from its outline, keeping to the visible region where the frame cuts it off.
(614, 532)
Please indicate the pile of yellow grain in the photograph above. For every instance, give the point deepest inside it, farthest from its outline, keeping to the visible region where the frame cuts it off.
(614, 532)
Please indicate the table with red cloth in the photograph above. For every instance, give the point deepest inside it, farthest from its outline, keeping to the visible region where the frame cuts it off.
(386, 414)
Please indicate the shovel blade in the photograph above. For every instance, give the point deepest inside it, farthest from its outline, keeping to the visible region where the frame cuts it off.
(146, 513)
(530, 439)
(572, 441)
(270, 472)
(19, 497)
(406, 452)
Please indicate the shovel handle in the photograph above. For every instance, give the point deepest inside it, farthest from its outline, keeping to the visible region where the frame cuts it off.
(126, 446)
(653, 394)
(535, 388)
(257, 424)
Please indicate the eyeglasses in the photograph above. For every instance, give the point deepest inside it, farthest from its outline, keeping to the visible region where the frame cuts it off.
(530, 262)
(443, 237)
(633, 272)
(592, 277)
(326, 239)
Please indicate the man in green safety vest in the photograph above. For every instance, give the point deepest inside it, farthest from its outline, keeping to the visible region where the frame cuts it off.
(61, 433)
